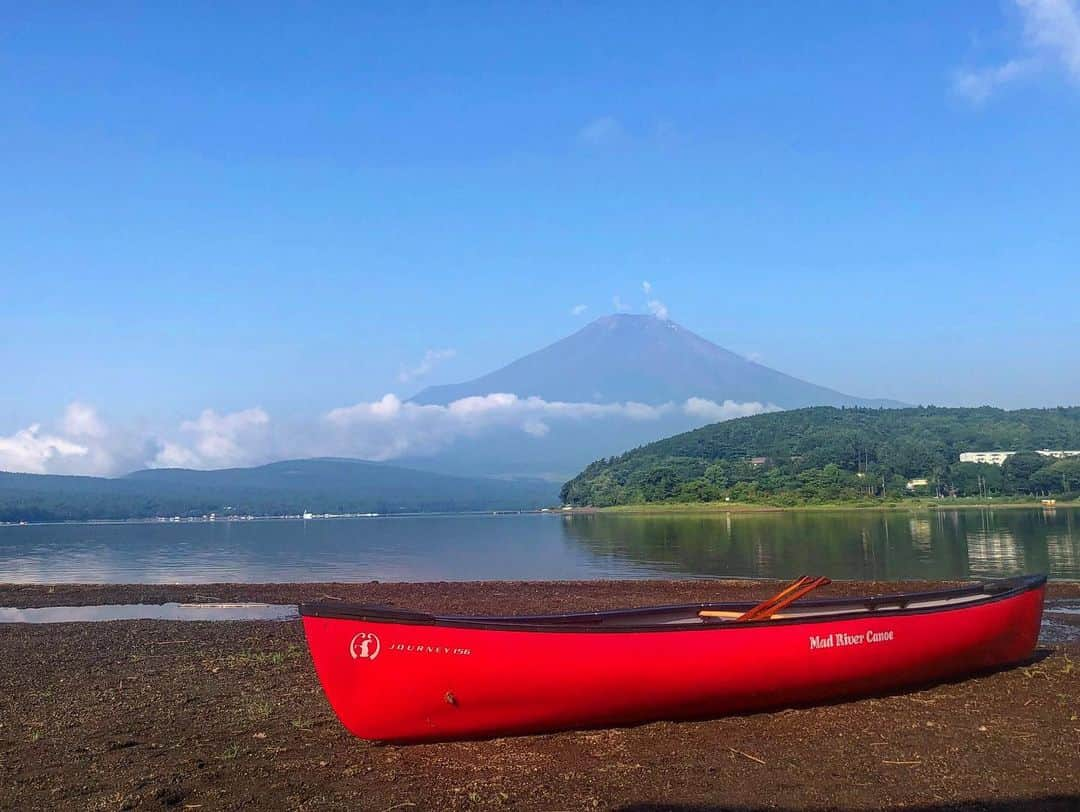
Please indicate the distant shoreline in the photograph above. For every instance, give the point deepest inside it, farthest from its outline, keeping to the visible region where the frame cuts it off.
(915, 506)
(286, 518)
(646, 509)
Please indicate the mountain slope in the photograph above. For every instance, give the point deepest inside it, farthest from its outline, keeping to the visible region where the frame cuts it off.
(643, 359)
(292, 486)
(823, 454)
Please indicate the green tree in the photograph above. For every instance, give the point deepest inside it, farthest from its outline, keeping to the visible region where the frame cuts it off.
(1062, 477)
(817, 454)
(1019, 469)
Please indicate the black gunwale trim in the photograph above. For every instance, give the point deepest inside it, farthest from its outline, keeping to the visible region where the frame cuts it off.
(592, 622)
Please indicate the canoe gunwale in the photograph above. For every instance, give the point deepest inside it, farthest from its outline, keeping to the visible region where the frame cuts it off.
(594, 622)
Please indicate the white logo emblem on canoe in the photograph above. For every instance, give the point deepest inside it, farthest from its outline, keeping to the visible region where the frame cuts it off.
(364, 646)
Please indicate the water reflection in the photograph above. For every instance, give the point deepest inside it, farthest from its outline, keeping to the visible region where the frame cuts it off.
(843, 544)
(863, 545)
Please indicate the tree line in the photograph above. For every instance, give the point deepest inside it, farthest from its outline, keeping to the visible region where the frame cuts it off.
(824, 454)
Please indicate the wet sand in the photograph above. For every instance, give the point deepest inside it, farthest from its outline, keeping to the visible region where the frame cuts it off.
(229, 715)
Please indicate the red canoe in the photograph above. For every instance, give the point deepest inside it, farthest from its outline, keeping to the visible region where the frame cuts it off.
(403, 676)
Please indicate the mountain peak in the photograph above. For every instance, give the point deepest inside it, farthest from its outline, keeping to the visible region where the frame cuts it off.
(628, 318)
(640, 321)
(638, 357)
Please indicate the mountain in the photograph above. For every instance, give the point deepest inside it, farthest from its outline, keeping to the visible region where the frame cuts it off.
(824, 454)
(289, 487)
(615, 360)
(643, 359)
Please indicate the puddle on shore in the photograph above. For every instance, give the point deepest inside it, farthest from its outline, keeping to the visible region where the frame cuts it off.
(150, 611)
(1053, 631)
(1060, 623)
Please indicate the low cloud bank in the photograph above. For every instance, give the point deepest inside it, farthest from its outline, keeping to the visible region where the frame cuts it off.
(216, 441)
(33, 452)
(83, 443)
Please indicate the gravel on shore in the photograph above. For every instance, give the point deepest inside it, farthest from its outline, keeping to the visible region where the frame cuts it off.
(229, 715)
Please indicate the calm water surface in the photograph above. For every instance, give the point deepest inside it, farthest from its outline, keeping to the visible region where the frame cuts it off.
(886, 546)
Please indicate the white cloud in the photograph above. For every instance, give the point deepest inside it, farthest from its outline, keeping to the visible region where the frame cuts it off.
(536, 428)
(174, 455)
(430, 360)
(219, 441)
(382, 429)
(619, 305)
(729, 409)
(82, 443)
(977, 84)
(1052, 27)
(658, 309)
(602, 131)
(79, 442)
(390, 427)
(577, 310)
(654, 305)
(81, 420)
(1051, 39)
(29, 451)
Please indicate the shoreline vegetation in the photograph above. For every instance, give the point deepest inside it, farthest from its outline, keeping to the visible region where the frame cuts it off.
(231, 715)
(908, 505)
(827, 456)
(911, 505)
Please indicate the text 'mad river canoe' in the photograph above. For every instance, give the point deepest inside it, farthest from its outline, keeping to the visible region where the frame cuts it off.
(394, 675)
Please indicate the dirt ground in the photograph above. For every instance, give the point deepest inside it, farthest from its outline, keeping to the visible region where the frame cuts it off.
(153, 714)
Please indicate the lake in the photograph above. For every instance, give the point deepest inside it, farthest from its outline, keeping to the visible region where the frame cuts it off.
(843, 545)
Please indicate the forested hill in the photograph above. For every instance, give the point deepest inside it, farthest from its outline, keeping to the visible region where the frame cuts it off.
(824, 454)
(289, 487)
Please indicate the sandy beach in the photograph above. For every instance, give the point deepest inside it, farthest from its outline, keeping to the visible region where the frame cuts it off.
(229, 715)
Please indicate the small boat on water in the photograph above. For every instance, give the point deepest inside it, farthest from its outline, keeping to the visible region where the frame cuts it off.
(394, 675)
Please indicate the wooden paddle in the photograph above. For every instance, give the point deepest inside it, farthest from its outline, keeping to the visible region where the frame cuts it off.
(764, 607)
(801, 581)
(729, 615)
(791, 598)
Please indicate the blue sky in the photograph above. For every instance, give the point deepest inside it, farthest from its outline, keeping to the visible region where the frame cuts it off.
(286, 207)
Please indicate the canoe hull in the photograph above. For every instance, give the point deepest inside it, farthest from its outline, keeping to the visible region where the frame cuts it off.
(404, 681)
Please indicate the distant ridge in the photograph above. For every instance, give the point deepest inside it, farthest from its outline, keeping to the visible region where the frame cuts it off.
(288, 487)
(624, 357)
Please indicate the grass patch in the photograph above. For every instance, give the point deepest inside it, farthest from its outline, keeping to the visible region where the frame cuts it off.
(258, 709)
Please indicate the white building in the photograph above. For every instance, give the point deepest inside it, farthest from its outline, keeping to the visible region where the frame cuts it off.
(986, 457)
(998, 457)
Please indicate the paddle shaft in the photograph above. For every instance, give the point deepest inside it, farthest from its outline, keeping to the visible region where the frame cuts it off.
(765, 605)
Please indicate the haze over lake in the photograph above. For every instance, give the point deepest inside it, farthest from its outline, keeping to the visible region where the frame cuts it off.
(844, 545)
